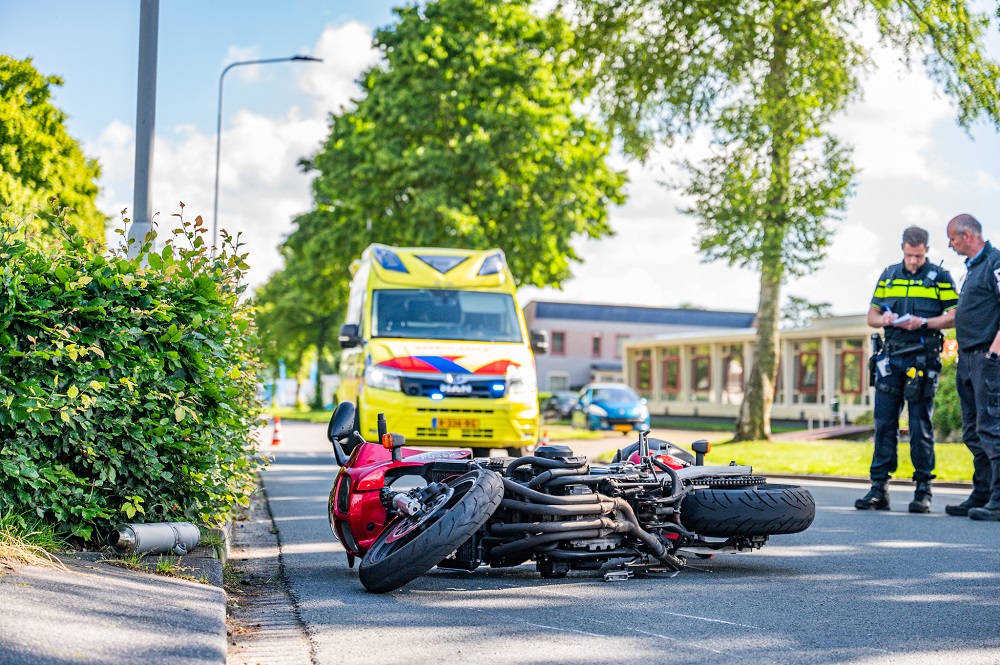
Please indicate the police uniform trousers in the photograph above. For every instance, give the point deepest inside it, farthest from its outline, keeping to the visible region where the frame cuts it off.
(889, 391)
(978, 383)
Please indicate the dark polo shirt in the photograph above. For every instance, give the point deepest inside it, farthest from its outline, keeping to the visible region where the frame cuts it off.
(978, 316)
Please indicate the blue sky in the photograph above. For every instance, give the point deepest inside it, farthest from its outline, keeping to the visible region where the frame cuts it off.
(916, 166)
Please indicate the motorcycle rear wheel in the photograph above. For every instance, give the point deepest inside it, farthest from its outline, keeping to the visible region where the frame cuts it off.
(410, 546)
(762, 510)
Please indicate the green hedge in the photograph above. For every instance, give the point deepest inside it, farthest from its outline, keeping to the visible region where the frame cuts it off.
(947, 416)
(127, 386)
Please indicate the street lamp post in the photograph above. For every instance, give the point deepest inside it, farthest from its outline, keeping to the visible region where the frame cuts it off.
(218, 128)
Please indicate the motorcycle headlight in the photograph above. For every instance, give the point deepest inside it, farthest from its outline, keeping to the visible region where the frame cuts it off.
(521, 380)
(383, 379)
(595, 410)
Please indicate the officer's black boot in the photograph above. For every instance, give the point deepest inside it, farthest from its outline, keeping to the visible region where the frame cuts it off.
(877, 497)
(991, 511)
(988, 513)
(962, 509)
(921, 498)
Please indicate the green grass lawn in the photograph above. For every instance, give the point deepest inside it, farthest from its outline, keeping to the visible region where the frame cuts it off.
(292, 413)
(703, 426)
(836, 458)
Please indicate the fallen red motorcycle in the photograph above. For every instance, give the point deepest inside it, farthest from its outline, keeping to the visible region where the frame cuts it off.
(404, 511)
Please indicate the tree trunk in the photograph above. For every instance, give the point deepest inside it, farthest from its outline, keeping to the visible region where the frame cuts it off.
(755, 412)
(322, 334)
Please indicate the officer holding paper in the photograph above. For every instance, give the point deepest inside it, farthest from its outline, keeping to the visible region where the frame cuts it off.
(914, 301)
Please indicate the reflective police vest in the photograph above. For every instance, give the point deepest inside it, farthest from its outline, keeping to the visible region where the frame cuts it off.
(927, 293)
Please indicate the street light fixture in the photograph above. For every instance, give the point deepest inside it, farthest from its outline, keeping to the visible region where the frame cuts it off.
(218, 128)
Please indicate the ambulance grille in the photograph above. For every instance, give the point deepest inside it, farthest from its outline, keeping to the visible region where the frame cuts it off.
(477, 434)
(430, 433)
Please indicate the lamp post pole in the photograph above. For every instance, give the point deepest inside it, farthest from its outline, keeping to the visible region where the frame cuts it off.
(218, 128)
(145, 121)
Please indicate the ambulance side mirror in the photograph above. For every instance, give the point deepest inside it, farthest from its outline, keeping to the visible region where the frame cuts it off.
(540, 341)
(350, 336)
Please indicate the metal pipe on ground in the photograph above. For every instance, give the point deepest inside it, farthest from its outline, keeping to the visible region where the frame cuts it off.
(155, 538)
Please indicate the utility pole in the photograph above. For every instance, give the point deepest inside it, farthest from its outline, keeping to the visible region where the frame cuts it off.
(145, 123)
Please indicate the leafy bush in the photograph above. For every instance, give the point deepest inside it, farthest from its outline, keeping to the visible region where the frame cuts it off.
(865, 418)
(127, 385)
(947, 417)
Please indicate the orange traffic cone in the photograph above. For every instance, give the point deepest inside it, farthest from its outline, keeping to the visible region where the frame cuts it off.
(276, 437)
(545, 438)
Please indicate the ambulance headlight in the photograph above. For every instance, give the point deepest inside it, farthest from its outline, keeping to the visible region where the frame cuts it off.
(521, 380)
(383, 379)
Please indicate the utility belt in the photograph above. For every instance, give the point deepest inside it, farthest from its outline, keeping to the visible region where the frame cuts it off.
(930, 346)
(918, 356)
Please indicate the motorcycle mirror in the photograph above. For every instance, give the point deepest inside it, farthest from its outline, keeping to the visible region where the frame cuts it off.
(340, 427)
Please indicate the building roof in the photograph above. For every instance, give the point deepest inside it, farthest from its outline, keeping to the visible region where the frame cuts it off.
(637, 314)
(851, 324)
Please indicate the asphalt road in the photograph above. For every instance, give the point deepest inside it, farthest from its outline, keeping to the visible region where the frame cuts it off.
(854, 588)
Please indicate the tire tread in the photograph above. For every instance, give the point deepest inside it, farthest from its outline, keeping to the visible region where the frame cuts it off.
(763, 510)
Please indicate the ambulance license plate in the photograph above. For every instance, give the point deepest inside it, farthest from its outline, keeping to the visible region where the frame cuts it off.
(457, 423)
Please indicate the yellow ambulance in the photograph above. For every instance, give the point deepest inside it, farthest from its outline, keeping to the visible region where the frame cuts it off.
(435, 339)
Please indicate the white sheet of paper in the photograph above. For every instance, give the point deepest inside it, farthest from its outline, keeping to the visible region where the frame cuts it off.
(901, 320)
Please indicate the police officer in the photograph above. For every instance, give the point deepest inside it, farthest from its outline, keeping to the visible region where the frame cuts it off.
(977, 328)
(914, 301)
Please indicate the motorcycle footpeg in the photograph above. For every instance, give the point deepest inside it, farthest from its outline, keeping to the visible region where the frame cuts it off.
(617, 575)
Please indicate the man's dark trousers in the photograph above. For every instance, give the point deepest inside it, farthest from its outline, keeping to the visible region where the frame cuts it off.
(978, 383)
(888, 406)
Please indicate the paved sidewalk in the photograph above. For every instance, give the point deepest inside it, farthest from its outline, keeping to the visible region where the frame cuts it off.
(94, 612)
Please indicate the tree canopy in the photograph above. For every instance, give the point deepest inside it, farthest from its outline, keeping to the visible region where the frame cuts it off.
(38, 158)
(798, 311)
(466, 136)
(765, 79)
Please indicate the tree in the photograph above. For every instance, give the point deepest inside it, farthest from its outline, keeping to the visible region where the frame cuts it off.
(466, 136)
(38, 158)
(798, 311)
(766, 78)
(297, 314)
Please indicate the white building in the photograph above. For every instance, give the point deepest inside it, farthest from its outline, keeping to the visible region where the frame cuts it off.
(704, 373)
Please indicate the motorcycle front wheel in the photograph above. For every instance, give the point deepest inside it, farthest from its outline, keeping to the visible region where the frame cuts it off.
(410, 546)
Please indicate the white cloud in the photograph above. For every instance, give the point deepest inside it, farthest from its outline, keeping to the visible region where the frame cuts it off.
(846, 243)
(346, 51)
(923, 215)
(891, 129)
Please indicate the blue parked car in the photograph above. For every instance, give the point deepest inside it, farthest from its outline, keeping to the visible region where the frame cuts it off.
(612, 406)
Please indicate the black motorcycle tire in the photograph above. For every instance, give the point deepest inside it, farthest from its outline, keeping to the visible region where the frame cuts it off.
(389, 565)
(761, 510)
